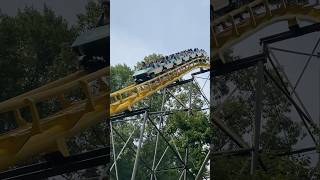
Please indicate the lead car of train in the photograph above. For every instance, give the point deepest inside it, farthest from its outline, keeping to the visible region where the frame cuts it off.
(164, 64)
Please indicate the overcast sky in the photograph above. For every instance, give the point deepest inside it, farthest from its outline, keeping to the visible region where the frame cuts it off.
(142, 27)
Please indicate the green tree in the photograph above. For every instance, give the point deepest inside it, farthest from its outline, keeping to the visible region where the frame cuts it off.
(89, 19)
(34, 50)
(121, 77)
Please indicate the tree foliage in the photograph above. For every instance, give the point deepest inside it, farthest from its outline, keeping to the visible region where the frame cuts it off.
(89, 19)
(35, 48)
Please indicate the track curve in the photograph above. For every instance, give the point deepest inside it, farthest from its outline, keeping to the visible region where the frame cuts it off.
(238, 31)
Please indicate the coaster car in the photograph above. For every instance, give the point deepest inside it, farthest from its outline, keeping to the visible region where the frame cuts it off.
(162, 65)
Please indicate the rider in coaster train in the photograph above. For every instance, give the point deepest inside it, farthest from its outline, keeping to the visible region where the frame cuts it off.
(93, 46)
(141, 76)
(169, 57)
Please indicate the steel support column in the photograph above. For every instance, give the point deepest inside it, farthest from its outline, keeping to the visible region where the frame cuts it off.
(157, 138)
(190, 100)
(258, 109)
(136, 162)
(203, 165)
(186, 162)
(114, 152)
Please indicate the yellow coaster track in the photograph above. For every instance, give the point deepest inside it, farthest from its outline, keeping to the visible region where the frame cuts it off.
(125, 98)
(42, 135)
(226, 30)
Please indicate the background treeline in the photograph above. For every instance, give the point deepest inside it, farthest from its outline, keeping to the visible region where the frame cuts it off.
(35, 48)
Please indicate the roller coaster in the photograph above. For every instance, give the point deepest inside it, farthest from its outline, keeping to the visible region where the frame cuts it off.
(231, 26)
(125, 98)
(164, 64)
(40, 134)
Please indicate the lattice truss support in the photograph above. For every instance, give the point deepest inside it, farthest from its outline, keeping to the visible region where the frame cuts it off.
(263, 74)
(151, 123)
